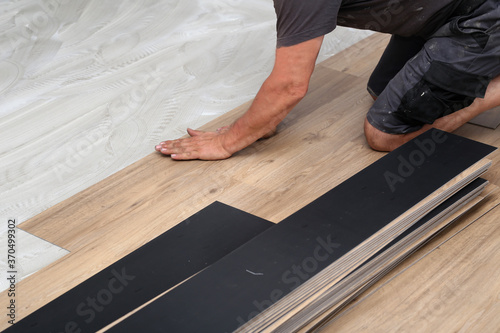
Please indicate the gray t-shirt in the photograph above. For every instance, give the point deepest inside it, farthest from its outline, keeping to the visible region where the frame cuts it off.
(301, 20)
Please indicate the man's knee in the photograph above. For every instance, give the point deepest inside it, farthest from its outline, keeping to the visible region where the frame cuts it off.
(382, 141)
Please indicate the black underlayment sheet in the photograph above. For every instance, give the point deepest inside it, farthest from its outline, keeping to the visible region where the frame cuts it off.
(266, 277)
(162, 263)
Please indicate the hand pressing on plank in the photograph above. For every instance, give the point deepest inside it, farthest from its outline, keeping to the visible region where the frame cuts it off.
(280, 93)
(201, 145)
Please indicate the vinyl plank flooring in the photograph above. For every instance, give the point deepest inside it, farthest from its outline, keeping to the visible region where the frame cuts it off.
(155, 184)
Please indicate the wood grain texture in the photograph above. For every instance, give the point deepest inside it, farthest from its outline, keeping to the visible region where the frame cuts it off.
(319, 145)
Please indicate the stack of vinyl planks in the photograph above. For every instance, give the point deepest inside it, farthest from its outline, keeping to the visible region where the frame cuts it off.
(334, 297)
(332, 301)
(280, 277)
(279, 281)
(290, 276)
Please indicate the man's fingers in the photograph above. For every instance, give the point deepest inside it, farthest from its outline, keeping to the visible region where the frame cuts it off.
(174, 150)
(184, 156)
(201, 145)
(178, 146)
(177, 143)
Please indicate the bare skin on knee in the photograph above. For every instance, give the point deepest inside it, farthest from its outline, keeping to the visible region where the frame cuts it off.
(382, 141)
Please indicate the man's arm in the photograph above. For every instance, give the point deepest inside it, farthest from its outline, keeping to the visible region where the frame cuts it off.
(283, 89)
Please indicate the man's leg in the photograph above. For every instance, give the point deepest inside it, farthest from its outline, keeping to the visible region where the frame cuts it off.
(382, 141)
(453, 79)
(396, 54)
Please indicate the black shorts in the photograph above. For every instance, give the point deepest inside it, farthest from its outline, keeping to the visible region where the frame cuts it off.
(444, 73)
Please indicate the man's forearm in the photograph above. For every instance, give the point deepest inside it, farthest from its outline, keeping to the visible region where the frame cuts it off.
(271, 105)
(279, 94)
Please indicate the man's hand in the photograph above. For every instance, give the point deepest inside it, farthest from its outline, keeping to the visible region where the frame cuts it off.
(201, 145)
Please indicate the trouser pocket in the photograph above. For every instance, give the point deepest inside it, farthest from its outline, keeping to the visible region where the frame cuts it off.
(441, 91)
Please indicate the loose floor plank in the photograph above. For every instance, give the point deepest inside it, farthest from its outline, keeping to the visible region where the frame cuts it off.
(159, 265)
